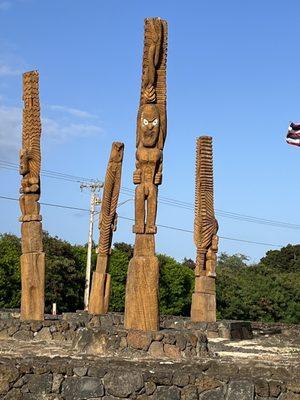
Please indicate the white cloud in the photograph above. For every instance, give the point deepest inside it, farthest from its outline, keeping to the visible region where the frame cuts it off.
(10, 131)
(72, 111)
(6, 70)
(59, 130)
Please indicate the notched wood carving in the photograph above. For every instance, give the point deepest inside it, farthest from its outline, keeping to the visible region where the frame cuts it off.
(151, 126)
(205, 224)
(100, 291)
(30, 154)
(108, 215)
(32, 259)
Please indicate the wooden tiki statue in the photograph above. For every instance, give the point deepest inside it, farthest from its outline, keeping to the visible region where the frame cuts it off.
(100, 291)
(141, 303)
(33, 257)
(205, 235)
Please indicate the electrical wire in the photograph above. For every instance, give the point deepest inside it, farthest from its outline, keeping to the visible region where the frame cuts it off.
(160, 225)
(163, 200)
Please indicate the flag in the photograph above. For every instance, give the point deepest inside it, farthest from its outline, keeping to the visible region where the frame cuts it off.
(293, 135)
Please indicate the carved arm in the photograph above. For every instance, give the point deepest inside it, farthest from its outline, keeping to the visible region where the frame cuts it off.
(158, 175)
(137, 174)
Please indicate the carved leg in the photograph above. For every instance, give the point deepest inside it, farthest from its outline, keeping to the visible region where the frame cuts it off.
(200, 263)
(211, 261)
(30, 208)
(151, 209)
(22, 207)
(139, 226)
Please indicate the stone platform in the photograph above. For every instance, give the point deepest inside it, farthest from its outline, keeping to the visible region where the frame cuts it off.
(53, 370)
(76, 356)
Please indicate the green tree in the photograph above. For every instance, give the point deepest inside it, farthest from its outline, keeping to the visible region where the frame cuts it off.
(65, 274)
(189, 263)
(124, 248)
(233, 261)
(10, 277)
(286, 259)
(267, 291)
(176, 286)
(118, 266)
(263, 292)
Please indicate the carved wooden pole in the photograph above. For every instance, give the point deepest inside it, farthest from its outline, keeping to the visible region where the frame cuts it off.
(100, 292)
(33, 257)
(141, 301)
(205, 235)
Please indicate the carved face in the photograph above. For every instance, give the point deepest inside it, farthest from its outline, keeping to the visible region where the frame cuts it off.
(117, 152)
(24, 162)
(149, 125)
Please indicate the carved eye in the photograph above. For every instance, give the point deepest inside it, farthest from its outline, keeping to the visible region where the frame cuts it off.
(155, 122)
(145, 121)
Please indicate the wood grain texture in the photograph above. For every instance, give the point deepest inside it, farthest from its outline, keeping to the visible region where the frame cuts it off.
(204, 300)
(33, 258)
(141, 301)
(33, 286)
(100, 290)
(205, 235)
(205, 223)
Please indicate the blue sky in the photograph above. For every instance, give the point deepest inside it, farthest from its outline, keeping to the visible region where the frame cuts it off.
(233, 73)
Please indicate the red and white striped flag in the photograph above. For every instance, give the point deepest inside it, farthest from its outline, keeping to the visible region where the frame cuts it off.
(293, 135)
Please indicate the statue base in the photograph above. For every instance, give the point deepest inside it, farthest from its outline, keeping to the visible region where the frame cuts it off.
(142, 291)
(33, 286)
(32, 237)
(100, 293)
(204, 300)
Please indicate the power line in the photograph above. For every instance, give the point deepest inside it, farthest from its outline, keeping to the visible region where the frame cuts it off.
(49, 173)
(93, 187)
(160, 225)
(165, 200)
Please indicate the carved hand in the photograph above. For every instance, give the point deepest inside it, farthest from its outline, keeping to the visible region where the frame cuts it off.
(31, 189)
(137, 177)
(158, 178)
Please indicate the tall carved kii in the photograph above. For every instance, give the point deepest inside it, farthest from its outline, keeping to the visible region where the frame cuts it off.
(205, 235)
(33, 257)
(141, 302)
(100, 292)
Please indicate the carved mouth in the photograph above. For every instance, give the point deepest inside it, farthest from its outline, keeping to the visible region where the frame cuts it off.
(149, 133)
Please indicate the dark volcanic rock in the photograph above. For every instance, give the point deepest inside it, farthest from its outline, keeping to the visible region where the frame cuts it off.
(167, 393)
(82, 388)
(242, 390)
(122, 384)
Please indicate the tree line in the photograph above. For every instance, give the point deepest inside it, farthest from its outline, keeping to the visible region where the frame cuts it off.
(267, 291)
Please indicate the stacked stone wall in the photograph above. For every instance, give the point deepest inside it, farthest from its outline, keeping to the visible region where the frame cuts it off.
(69, 379)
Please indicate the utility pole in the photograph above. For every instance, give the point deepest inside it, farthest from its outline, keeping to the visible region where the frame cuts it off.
(95, 200)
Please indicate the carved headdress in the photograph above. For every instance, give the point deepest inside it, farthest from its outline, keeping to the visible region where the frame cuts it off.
(206, 225)
(153, 91)
(31, 132)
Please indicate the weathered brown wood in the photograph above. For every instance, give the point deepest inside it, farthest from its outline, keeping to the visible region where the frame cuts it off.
(33, 258)
(33, 284)
(141, 302)
(32, 237)
(99, 298)
(204, 300)
(100, 290)
(205, 235)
